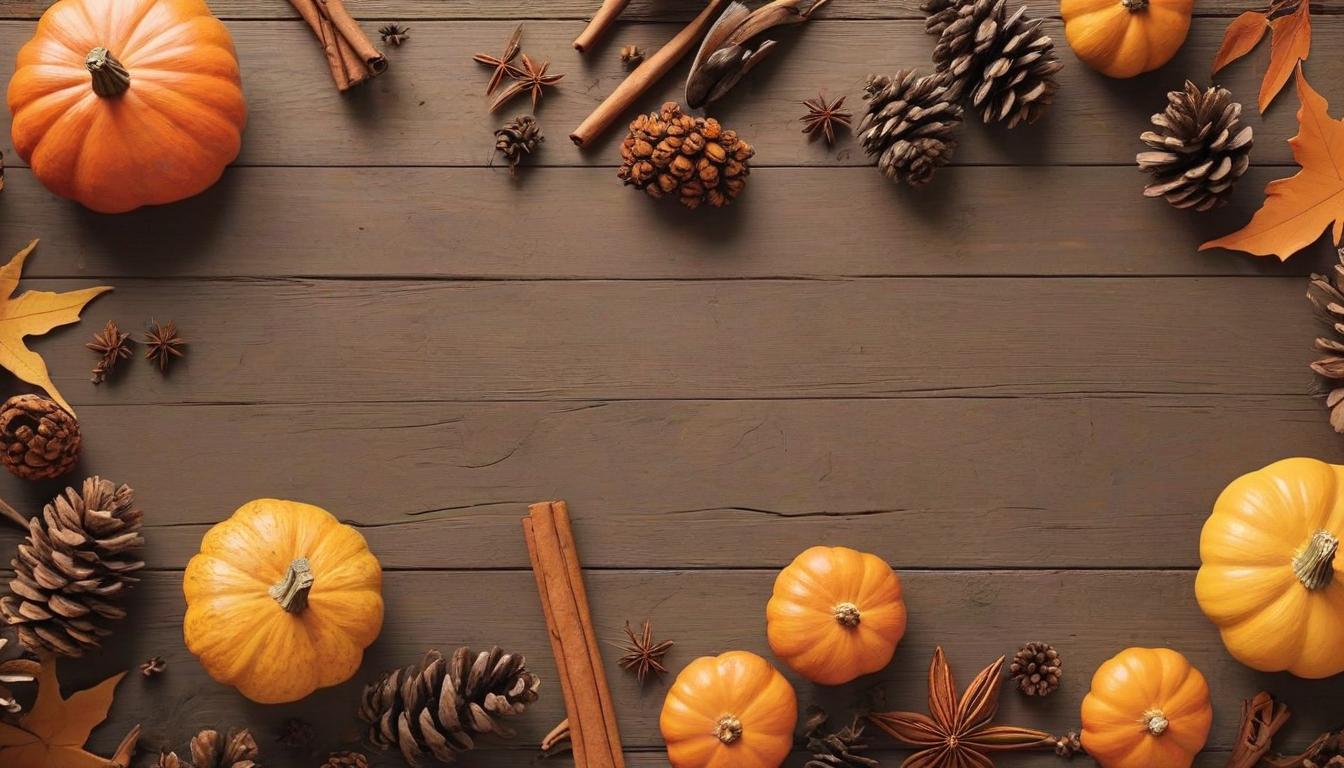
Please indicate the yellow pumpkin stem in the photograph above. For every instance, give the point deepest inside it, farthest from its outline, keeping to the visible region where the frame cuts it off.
(292, 591)
(1134, 6)
(729, 729)
(1315, 564)
(847, 614)
(1155, 722)
(110, 78)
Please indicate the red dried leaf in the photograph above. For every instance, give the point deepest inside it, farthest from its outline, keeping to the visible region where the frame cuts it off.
(1243, 34)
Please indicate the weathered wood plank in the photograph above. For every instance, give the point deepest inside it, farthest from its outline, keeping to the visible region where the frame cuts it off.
(1091, 482)
(430, 109)
(466, 223)
(302, 341)
(975, 615)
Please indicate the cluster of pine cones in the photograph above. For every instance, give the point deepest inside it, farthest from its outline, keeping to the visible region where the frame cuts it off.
(999, 64)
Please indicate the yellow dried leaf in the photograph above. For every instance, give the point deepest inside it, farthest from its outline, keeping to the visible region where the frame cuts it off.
(53, 733)
(1290, 42)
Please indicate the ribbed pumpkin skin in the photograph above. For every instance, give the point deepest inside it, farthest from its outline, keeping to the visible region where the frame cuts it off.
(1246, 584)
(1122, 43)
(167, 138)
(801, 622)
(1134, 683)
(736, 683)
(242, 635)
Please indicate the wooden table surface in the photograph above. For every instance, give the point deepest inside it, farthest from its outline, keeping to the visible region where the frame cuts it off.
(1023, 386)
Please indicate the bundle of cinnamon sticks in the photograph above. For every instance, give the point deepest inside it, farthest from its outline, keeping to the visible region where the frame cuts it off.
(592, 730)
(350, 54)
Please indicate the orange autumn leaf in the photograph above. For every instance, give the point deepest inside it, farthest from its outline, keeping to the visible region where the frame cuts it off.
(53, 732)
(1243, 34)
(1298, 209)
(33, 314)
(1290, 41)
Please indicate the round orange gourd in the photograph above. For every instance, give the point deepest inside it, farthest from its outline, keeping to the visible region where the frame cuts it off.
(123, 103)
(836, 614)
(1148, 707)
(1271, 577)
(1123, 38)
(282, 600)
(729, 711)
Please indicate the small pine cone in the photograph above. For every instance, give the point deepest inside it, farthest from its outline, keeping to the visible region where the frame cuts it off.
(1199, 148)
(520, 136)
(1003, 63)
(632, 56)
(209, 749)
(1068, 745)
(693, 158)
(910, 125)
(346, 760)
(74, 567)
(409, 708)
(40, 438)
(1326, 294)
(1036, 669)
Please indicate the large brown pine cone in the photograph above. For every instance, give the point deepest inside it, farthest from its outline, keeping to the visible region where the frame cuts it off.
(519, 137)
(40, 438)
(1326, 294)
(432, 710)
(1199, 148)
(1003, 63)
(75, 565)
(910, 125)
(210, 749)
(694, 158)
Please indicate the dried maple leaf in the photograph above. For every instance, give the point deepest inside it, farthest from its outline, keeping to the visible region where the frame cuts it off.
(1243, 34)
(53, 733)
(33, 314)
(1290, 41)
(1297, 210)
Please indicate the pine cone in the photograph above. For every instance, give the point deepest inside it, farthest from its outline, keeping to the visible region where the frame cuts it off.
(1003, 63)
(346, 760)
(520, 136)
(1068, 745)
(1199, 150)
(939, 14)
(1036, 669)
(40, 438)
(841, 748)
(694, 158)
(431, 710)
(14, 671)
(910, 125)
(211, 750)
(1326, 294)
(73, 568)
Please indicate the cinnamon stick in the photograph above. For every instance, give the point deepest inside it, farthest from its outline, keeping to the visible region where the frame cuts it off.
(350, 30)
(594, 735)
(645, 75)
(601, 21)
(350, 54)
(326, 37)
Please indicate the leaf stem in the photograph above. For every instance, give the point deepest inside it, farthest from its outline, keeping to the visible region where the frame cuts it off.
(13, 514)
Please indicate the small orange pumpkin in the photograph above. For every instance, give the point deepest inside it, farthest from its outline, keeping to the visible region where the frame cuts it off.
(836, 614)
(1123, 38)
(282, 600)
(1148, 707)
(123, 103)
(729, 711)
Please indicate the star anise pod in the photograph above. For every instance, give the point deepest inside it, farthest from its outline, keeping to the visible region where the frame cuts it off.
(112, 347)
(958, 734)
(503, 63)
(163, 344)
(643, 656)
(825, 119)
(153, 666)
(529, 77)
(394, 34)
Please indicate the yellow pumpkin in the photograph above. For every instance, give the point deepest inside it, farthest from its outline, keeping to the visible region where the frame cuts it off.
(836, 614)
(729, 711)
(282, 600)
(1123, 38)
(1148, 707)
(1270, 577)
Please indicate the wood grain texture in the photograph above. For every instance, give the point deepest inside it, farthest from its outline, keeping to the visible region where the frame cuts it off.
(977, 615)
(430, 109)
(445, 223)
(1116, 482)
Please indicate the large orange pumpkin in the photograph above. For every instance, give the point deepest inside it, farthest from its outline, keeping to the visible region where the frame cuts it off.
(729, 711)
(123, 103)
(836, 614)
(1123, 38)
(1272, 577)
(282, 600)
(1148, 707)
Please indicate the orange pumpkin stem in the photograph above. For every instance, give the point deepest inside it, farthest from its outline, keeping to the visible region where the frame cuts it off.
(1315, 564)
(110, 78)
(1134, 6)
(1155, 722)
(729, 729)
(292, 591)
(847, 614)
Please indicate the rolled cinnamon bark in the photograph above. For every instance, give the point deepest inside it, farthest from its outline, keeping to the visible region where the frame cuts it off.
(572, 728)
(602, 20)
(326, 37)
(350, 30)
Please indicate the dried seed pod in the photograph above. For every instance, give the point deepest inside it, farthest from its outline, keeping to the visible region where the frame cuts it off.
(692, 158)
